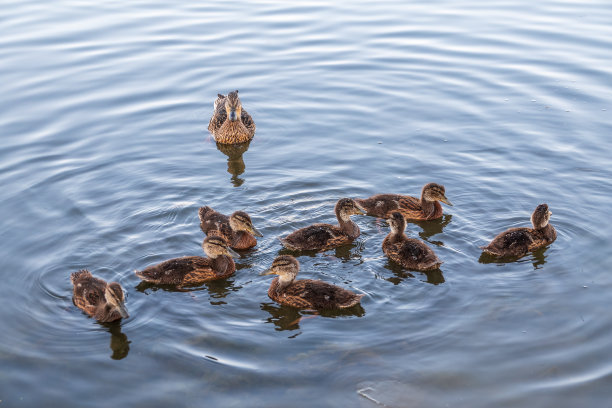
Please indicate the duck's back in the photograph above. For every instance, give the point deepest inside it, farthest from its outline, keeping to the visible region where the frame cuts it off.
(188, 270)
(382, 205)
(215, 223)
(219, 115)
(316, 236)
(88, 291)
(411, 253)
(314, 294)
(512, 242)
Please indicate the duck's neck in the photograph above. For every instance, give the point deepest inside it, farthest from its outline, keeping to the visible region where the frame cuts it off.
(223, 264)
(548, 232)
(106, 313)
(243, 240)
(396, 236)
(281, 282)
(348, 226)
(430, 208)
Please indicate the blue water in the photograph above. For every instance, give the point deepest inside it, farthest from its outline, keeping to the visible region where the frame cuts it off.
(105, 159)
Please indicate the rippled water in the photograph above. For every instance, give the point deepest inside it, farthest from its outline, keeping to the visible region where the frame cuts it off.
(105, 159)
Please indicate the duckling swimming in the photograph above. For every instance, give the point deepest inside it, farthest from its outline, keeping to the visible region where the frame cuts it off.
(194, 270)
(237, 229)
(231, 124)
(518, 241)
(408, 252)
(425, 208)
(327, 236)
(104, 302)
(305, 293)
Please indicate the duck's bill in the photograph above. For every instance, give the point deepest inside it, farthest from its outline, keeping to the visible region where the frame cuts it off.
(359, 210)
(446, 201)
(233, 116)
(267, 272)
(232, 253)
(256, 232)
(123, 311)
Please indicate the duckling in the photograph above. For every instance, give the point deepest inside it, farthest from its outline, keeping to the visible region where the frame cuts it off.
(237, 229)
(327, 236)
(305, 293)
(412, 208)
(194, 270)
(104, 302)
(518, 241)
(408, 252)
(230, 124)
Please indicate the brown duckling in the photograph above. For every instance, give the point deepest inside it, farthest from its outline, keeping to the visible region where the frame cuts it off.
(425, 208)
(518, 241)
(231, 124)
(194, 270)
(237, 229)
(104, 302)
(327, 236)
(408, 252)
(305, 293)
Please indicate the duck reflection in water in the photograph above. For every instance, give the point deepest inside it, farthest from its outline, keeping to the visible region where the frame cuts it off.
(235, 163)
(537, 258)
(435, 276)
(119, 343)
(433, 227)
(348, 252)
(289, 318)
(217, 289)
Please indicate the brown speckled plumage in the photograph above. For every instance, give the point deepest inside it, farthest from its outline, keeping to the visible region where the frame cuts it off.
(326, 236)
(193, 270)
(231, 124)
(306, 293)
(408, 252)
(425, 208)
(237, 229)
(104, 302)
(516, 242)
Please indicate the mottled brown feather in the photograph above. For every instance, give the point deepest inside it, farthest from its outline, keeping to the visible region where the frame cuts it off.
(313, 294)
(188, 270)
(517, 242)
(316, 237)
(214, 223)
(410, 253)
(88, 295)
(382, 205)
(228, 132)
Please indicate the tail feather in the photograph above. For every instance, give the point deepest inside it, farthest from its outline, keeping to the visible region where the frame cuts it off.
(83, 273)
(203, 211)
(287, 244)
(352, 302)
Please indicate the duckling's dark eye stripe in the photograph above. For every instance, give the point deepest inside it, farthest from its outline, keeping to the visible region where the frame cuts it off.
(241, 218)
(281, 263)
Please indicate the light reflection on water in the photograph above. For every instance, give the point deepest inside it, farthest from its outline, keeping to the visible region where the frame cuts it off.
(106, 159)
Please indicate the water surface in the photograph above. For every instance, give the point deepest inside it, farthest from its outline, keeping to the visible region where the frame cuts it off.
(105, 159)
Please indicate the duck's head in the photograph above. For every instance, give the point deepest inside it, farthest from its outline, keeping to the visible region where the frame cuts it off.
(115, 299)
(435, 192)
(286, 267)
(345, 207)
(233, 106)
(240, 221)
(215, 246)
(541, 216)
(397, 222)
